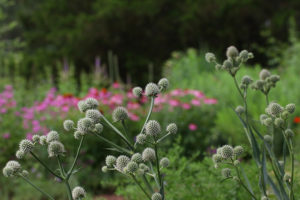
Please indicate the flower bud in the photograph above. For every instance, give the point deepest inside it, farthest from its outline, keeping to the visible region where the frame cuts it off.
(78, 193)
(227, 64)
(285, 114)
(26, 146)
(25, 173)
(12, 168)
(8, 171)
(268, 139)
(36, 139)
(217, 158)
(236, 162)
(232, 52)
(68, 125)
(144, 167)
(274, 78)
(278, 122)
(55, 148)
(110, 161)
(289, 133)
(164, 84)
(137, 91)
(77, 135)
(137, 157)
(52, 136)
(132, 167)
(98, 128)
(91, 103)
(122, 162)
(290, 108)
(20, 154)
(210, 57)
(148, 154)
(240, 110)
(226, 172)
(264, 74)
(262, 117)
(93, 114)
(172, 128)
(120, 114)
(84, 125)
(104, 169)
(247, 80)
(43, 140)
(274, 109)
(218, 67)
(152, 128)
(151, 90)
(164, 162)
(268, 121)
(227, 151)
(141, 139)
(238, 151)
(156, 196)
(82, 106)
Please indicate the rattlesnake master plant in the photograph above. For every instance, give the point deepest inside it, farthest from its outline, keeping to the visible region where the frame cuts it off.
(279, 181)
(138, 160)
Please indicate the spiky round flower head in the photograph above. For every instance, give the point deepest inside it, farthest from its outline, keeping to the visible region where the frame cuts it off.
(240, 110)
(232, 52)
(8, 171)
(137, 157)
(274, 78)
(119, 114)
(82, 106)
(144, 167)
(25, 173)
(77, 135)
(247, 80)
(227, 151)
(52, 136)
(290, 108)
(132, 167)
(36, 138)
(26, 145)
(262, 117)
(218, 67)
(43, 140)
(250, 55)
(172, 128)
(264, 198)
(84, 125)
(163, 84)
(93, 114)
(210, 57)
(110, 160)
(122, 162)
(268, 139)
(236, 162)
(219, 150)
(226, 172)
(285, 114)
(137, 91)
(227, 64)
(274, 109)
(156, 196)
(55, 148)
(268, 121)
(151, 90)
(98, 128)
(104, 169)
(148, 154)
(92, 103)
(244, 54)
(287, 177)
(20, 154)
(78, 193)
(238, 151)
(278, 122)
(217, 158)
(264, 74)
(289, 133)
(164, 162)
(68, 125)
(141, 138)
(152, 128)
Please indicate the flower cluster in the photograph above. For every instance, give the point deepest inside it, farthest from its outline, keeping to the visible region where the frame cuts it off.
(266, 81)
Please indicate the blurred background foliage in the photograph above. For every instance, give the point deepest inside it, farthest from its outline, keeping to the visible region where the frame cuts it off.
(78, 45)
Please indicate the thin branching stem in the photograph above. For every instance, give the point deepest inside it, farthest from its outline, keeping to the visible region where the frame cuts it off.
(141, 187)
(36, 187)
(148, 115)
(76, 158)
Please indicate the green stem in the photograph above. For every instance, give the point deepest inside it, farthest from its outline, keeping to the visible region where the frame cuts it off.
(141, 187)
(147, 183)
(162, 138)
(68, 190)
(44, 165)
(154, 175)
(125, 128)
(267, 99)
(158, 173)
(237, 86)
(36, 187)
(149, 114)
(119, 133)
(63, 173)
(76, 158)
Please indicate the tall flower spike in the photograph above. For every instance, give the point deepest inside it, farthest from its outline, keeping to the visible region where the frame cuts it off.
(119, 114)
(151, 90)
(78, 193)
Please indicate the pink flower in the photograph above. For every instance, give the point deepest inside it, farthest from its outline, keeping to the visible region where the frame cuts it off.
(29, 136)
(193, 127)
(133, 105)
(133, 116)
(186, 106)
(6, 135)
(195, 102)
(177, 92)
(116, 85)
(174, 102)
(210, 101)
(3, 110)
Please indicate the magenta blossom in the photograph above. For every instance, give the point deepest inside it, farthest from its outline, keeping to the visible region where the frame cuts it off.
(6, 135)
(193, 127)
